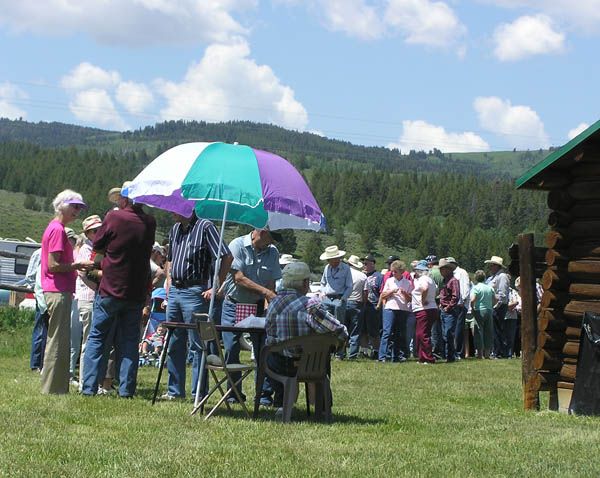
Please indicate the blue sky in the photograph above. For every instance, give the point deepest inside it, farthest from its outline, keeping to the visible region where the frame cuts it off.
(412, 74)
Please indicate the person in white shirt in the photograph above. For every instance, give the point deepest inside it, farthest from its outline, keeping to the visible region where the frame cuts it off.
(425, 309)
(397, 295)
(355, 305)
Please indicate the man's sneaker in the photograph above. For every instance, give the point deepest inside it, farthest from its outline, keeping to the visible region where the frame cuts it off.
(75, 383)
(104, 391)
(168, 397)
(232, 399)
(266, 402)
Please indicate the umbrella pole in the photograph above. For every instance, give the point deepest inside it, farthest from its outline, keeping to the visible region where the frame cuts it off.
(215, 287)
(215, 284)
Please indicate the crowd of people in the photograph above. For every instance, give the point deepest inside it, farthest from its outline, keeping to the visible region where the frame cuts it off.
(93, 295)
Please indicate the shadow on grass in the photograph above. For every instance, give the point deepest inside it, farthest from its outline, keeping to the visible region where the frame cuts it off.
(264, 414)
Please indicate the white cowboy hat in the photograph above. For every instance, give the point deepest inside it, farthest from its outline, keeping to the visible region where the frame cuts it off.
(354, 261)
(495, 260)
(332, 252)
(285, 259)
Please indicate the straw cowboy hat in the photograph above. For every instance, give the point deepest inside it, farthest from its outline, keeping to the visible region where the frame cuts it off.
(332, 252)
(354, 261)
(285, 259)
(446, 263)
(495, 260)
(91, 222)
(114, 193)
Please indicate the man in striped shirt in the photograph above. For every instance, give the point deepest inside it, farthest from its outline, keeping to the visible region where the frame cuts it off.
(292, 314)
(193, 252)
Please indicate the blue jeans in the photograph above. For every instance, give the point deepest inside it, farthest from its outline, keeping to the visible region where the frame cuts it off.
(124, 318)
(459, 333)
(394, 330)
(411, 329)
(354, 311)
(449, 320)
(38, 339)
(510, 329)
(182, 303)
(76, 336)
(437, 340)
(500, 342)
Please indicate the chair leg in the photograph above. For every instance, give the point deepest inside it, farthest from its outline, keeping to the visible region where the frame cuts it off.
(306, 390)
(163, 358)
(217, 386)
(290, 393)
(327, 399)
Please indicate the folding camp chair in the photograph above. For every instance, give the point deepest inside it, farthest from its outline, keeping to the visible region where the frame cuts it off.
(216, 363)
(313, 366)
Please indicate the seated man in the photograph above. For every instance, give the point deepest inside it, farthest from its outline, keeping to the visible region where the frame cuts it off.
(292, 314)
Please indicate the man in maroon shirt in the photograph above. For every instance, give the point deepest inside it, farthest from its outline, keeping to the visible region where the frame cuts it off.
(449, 308)
(125, 239)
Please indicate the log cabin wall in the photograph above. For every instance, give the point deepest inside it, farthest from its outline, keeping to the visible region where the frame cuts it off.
(571, 281)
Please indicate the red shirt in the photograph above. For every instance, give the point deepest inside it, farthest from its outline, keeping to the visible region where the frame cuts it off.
(126, 236)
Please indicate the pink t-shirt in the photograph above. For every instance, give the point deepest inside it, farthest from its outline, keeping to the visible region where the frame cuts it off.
(397, 301)
(55, 240)
(421, 284)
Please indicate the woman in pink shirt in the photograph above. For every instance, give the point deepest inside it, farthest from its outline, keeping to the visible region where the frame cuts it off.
(58, 276)
(397, 296)
(425, 309)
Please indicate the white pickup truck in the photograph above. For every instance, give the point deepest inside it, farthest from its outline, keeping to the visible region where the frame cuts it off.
(14, 259)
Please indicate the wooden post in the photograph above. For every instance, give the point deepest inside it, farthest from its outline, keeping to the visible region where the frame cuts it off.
(531, 396)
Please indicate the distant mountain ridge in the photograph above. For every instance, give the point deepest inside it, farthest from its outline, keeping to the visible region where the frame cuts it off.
(308, 148)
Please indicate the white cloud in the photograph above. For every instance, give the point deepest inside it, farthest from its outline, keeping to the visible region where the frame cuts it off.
(425, 22)
(128, 22)
(527, 36)
(85, 75)
(353, 17)
(227, 84)
(8, 94)
(579, 16)
(135, 97)
(519, 126)
(420, 135)
(96, 106)
(580, 128)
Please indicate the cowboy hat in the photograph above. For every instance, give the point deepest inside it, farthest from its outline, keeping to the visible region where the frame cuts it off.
(495, 260)
(332, 252)
(446, 263)
(354, 261)
(115, 193)
(452, 259)
(91, 222)
(285, 259)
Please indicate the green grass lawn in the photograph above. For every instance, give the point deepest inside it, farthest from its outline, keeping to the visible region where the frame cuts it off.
(463, 419)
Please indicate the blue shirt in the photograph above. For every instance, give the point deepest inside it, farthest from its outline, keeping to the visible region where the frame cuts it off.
(337, 281)
(261, 267)
(192, 252)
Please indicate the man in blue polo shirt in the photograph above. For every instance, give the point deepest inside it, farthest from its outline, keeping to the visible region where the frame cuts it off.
(254, 270)
(193, 251)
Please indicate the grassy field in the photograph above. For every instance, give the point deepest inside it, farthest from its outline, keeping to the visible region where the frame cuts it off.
(463, 419)
(16, 221)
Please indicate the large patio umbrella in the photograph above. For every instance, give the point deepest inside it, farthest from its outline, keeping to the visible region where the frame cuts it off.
(230, 183)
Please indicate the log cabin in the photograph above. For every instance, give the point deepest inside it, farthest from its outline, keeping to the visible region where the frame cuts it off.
(570, 176)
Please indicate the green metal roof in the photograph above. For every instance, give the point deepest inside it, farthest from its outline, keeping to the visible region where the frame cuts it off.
(558, 154)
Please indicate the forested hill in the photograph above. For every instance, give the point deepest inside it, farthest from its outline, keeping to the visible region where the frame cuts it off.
(431, 203)
(306, 149)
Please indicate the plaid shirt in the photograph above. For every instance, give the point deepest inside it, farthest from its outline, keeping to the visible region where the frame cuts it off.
(292, 315)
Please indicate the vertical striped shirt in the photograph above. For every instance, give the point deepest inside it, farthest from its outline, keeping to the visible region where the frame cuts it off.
(192, 252)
